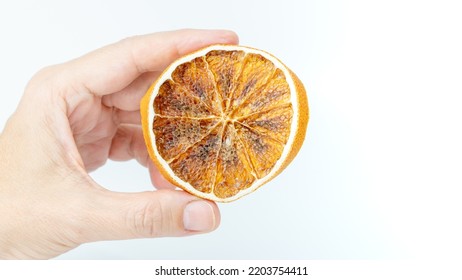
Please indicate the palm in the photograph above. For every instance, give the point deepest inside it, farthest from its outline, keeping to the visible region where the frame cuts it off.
(109, 126)
(93, 126)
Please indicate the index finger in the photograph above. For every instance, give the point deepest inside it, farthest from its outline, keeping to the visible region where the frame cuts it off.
(112, 68)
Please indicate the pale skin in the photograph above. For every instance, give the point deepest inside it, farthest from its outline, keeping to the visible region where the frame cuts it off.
(72, 118)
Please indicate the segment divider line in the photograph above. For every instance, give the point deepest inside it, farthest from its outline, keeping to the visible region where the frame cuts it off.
(192, 145)
(247, 156)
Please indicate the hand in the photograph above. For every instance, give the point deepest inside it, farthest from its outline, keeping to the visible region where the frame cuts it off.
(71, 119)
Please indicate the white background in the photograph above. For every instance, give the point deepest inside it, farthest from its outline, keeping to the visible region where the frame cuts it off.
(380, 173)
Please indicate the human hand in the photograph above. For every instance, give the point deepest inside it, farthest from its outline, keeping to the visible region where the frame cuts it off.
(71, 119)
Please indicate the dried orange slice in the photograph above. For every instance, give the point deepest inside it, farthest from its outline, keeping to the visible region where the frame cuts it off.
(224, 120)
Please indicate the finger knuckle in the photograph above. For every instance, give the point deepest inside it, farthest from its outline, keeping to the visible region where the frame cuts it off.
(47, 73)
(130, 39)
(147, 220)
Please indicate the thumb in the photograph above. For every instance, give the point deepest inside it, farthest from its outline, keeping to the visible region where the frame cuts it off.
(160, 213)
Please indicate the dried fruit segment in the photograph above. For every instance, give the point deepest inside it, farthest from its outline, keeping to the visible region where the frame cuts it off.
(226, 67)
(234, 172)
(197, 165)
(175, 135)
(274, 123)
(252, 79)
(174, 100)
(195, 77)
(262, 150)
(276, 93)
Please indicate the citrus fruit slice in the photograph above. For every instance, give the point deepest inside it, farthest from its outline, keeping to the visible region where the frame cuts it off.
(224, 120)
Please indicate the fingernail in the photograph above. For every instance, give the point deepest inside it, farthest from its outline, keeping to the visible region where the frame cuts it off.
(198, 216)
